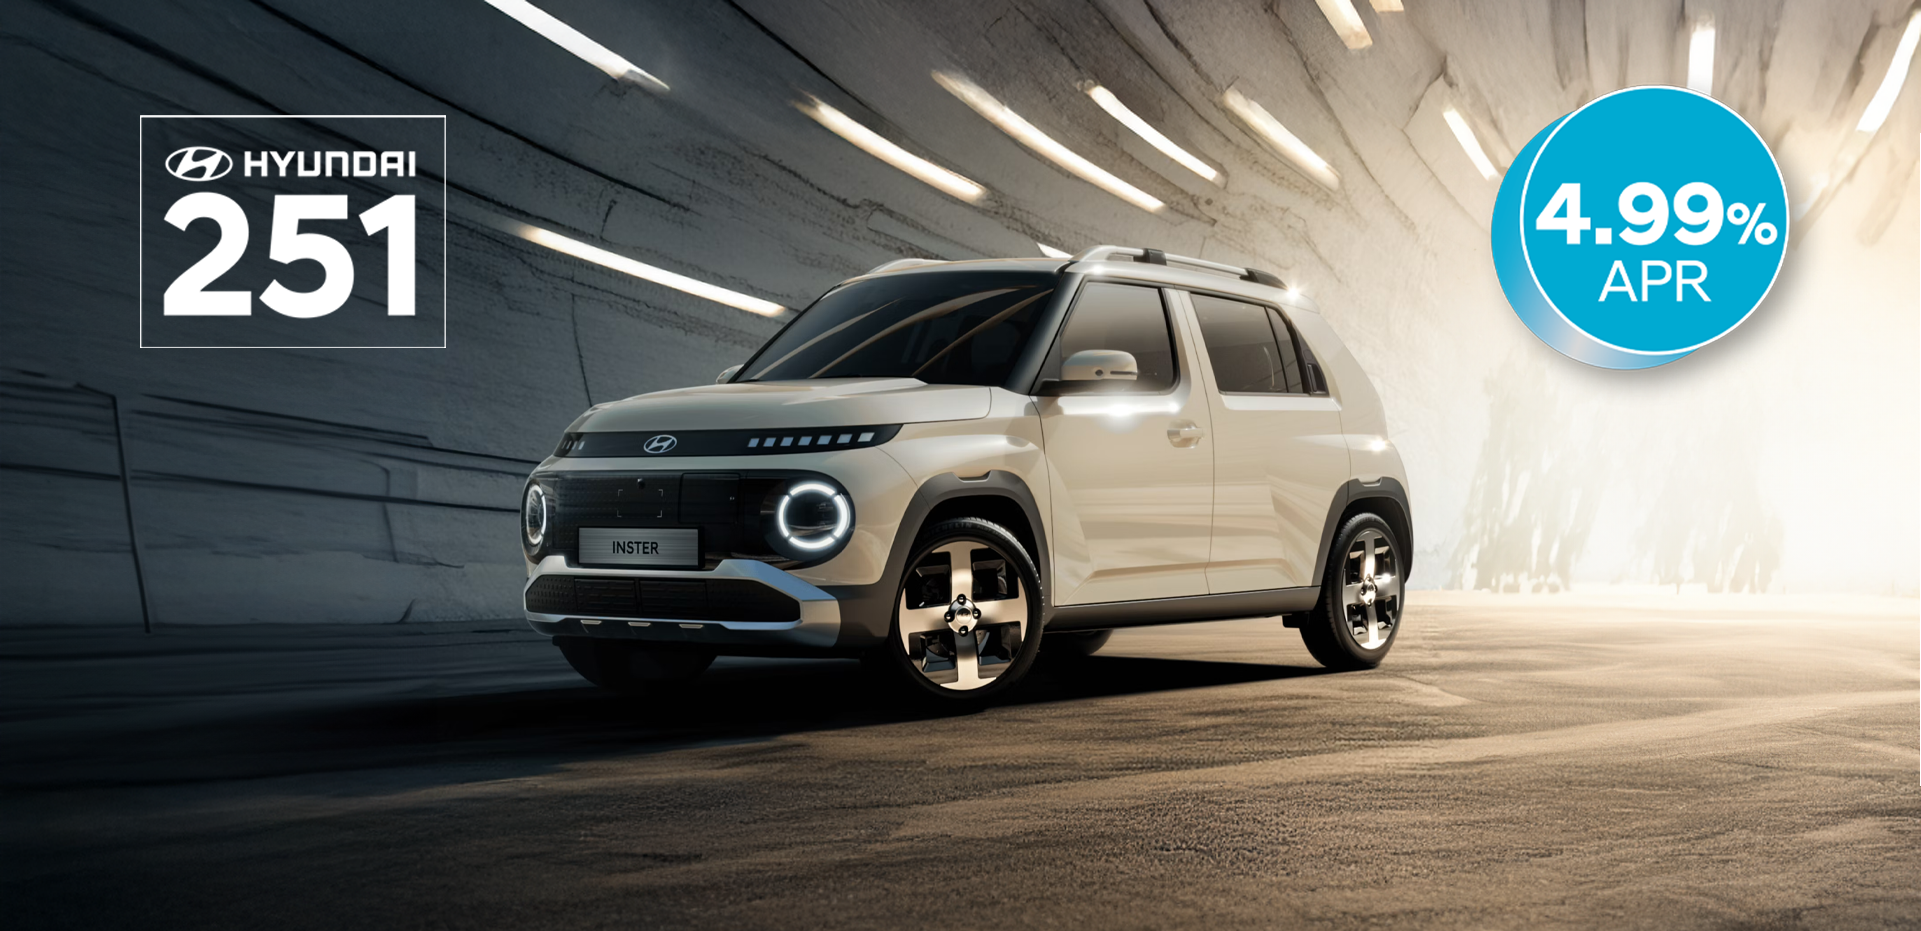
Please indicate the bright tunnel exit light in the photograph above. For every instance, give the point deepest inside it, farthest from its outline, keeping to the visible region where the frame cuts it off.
(1273, 133)
(1883, 100)
(1152, 136)
(1701, 57)
(1028, 135)
(571, 39)
(625, 265)
(873, 143)
(1465, 134)
(1346, 22)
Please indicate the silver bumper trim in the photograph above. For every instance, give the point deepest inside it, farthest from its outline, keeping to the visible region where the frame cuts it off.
(818, 625)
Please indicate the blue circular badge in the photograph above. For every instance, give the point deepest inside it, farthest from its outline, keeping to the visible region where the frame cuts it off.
(1640, 227)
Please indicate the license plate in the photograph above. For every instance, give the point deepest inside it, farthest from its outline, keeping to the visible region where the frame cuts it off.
(640, 546)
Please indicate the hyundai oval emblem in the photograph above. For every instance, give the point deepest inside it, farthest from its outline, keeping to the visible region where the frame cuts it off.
(199, 163)
(659, 444)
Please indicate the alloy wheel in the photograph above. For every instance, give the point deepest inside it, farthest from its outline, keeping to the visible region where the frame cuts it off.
(1371, 589)
(963, 615)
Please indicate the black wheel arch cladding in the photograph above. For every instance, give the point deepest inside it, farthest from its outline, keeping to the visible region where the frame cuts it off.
(1385, 496)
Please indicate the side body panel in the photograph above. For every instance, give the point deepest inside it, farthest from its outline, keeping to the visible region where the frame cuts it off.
(1278, 461)
(1133, 512)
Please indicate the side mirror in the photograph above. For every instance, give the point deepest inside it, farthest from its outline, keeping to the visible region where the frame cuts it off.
(725, 374)
(1100, 365)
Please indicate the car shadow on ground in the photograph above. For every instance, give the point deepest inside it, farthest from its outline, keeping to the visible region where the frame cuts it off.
(499, 734)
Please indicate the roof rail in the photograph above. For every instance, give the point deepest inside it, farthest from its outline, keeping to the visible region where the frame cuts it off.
(898, 264)
(1157, 257)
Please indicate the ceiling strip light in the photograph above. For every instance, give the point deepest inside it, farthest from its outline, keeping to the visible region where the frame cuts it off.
(1026, 134)
(1387, 6)
(1154, 137)
(1883, 100)
(1701, 57)
(1273, 133)
(873, 143)
(1470, 144)
(571, 39)
(625, 265)
(1346, 22)
(1052, 252)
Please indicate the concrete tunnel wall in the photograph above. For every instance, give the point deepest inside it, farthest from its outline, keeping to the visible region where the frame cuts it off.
(380, 485)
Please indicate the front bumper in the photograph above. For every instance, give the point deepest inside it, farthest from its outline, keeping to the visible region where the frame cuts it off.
(674, 607)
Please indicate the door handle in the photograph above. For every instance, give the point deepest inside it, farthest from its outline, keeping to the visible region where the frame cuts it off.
(1184, 433)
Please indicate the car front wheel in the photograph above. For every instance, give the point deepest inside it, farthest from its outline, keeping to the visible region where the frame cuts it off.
(967, 616)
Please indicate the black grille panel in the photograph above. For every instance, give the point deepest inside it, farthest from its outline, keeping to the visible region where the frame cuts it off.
(709, 498)
(670, 599)
(649, 499)
(605, 596)
(724, 505)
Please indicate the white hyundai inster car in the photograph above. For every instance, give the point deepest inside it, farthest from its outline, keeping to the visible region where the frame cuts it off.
(942, 466)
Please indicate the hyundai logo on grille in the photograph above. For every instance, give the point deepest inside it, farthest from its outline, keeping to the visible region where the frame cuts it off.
(199, 163)
(659, 444)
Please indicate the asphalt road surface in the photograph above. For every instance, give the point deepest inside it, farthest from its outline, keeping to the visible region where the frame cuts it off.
(1726, 763)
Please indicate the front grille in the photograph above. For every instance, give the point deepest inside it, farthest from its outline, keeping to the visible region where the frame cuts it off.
(733, 511)
(669, 599)
(724, 505)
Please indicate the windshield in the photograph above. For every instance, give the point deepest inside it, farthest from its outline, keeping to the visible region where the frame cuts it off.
(944, 328)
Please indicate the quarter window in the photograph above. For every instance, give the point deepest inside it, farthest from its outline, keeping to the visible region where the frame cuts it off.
(1249, 345)
(1124, 317)
(1314, 382)
(1299, 379)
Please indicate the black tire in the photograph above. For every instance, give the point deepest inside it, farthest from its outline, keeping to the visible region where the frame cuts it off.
(631, 668)
(1329, 630)
(1005, 641)
(1070, 645)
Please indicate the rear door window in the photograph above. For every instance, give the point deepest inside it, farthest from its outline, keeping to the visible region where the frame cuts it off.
(1249, 346)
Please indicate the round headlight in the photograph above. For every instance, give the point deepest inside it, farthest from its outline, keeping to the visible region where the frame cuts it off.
(813, 516)
(533, 516)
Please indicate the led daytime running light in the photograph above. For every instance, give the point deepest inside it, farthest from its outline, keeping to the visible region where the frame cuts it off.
(536, 534)
(822, 542)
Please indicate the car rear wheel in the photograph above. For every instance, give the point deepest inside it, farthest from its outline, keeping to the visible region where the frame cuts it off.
(967, 615)
(631, 668)
(1359, 612)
